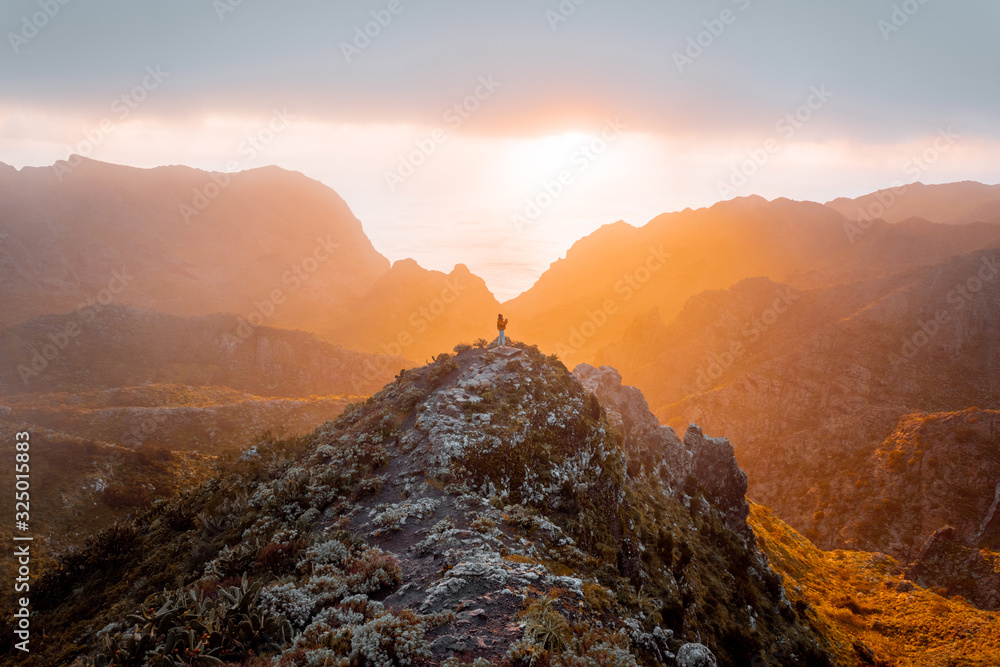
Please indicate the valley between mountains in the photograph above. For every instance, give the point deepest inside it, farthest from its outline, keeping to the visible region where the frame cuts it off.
(761, 433)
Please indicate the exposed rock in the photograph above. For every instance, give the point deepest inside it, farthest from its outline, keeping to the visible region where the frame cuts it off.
(716, 470)
(695, 655)
(480, 506)
(646, 442)
(945, 562)
(710, 461)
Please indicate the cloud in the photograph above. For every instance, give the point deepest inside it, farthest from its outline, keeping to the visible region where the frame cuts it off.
(604, 58)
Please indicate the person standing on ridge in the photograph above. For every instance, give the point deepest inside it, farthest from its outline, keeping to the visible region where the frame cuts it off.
(501, 327)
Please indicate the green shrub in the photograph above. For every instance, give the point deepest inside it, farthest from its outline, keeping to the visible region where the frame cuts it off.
(186, 628)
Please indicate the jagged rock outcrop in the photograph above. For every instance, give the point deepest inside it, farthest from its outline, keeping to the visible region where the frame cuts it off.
(480, 506)
(181, 241)
(715, 469)
(628, 410)
(708, 462)
(947, 562)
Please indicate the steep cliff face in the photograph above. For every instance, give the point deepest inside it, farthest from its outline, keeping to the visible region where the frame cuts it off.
(930, 496)
(181, 241)
(485, 505)
(706, 462)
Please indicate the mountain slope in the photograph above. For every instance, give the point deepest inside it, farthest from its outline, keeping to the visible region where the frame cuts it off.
(485, 505)
(588, 300)
(930, 496)
(173, 417)
(80, 487)
(934, 470)
(268, 244)
(809, 383)
(416, 313)
(102, 347)
(949, 204)
(869, 612)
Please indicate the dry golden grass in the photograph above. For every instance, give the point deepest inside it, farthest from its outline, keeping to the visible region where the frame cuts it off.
(853, 596)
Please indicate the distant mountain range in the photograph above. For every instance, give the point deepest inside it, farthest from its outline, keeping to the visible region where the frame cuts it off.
(809, 383)
(809, 334)
(948, 204)
(589, 299)
(281, 250)
(103, 347)
(272, 246)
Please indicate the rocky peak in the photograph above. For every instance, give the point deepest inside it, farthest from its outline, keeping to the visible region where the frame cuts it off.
(481, 506)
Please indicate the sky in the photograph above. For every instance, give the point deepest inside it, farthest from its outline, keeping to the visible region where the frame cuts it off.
(497, 133)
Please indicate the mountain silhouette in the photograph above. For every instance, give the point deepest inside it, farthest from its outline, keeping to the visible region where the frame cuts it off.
(949, 204)
(102, 233)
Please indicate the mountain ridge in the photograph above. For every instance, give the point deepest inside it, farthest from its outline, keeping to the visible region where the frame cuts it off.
(413, 536)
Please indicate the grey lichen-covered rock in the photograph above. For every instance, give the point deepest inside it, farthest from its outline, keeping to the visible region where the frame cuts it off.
(715, 468)
(709, 461)
(491, 505)
(646, 442)
(695, 655)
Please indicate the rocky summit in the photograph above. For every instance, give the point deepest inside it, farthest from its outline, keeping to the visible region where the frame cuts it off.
(489, 506)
